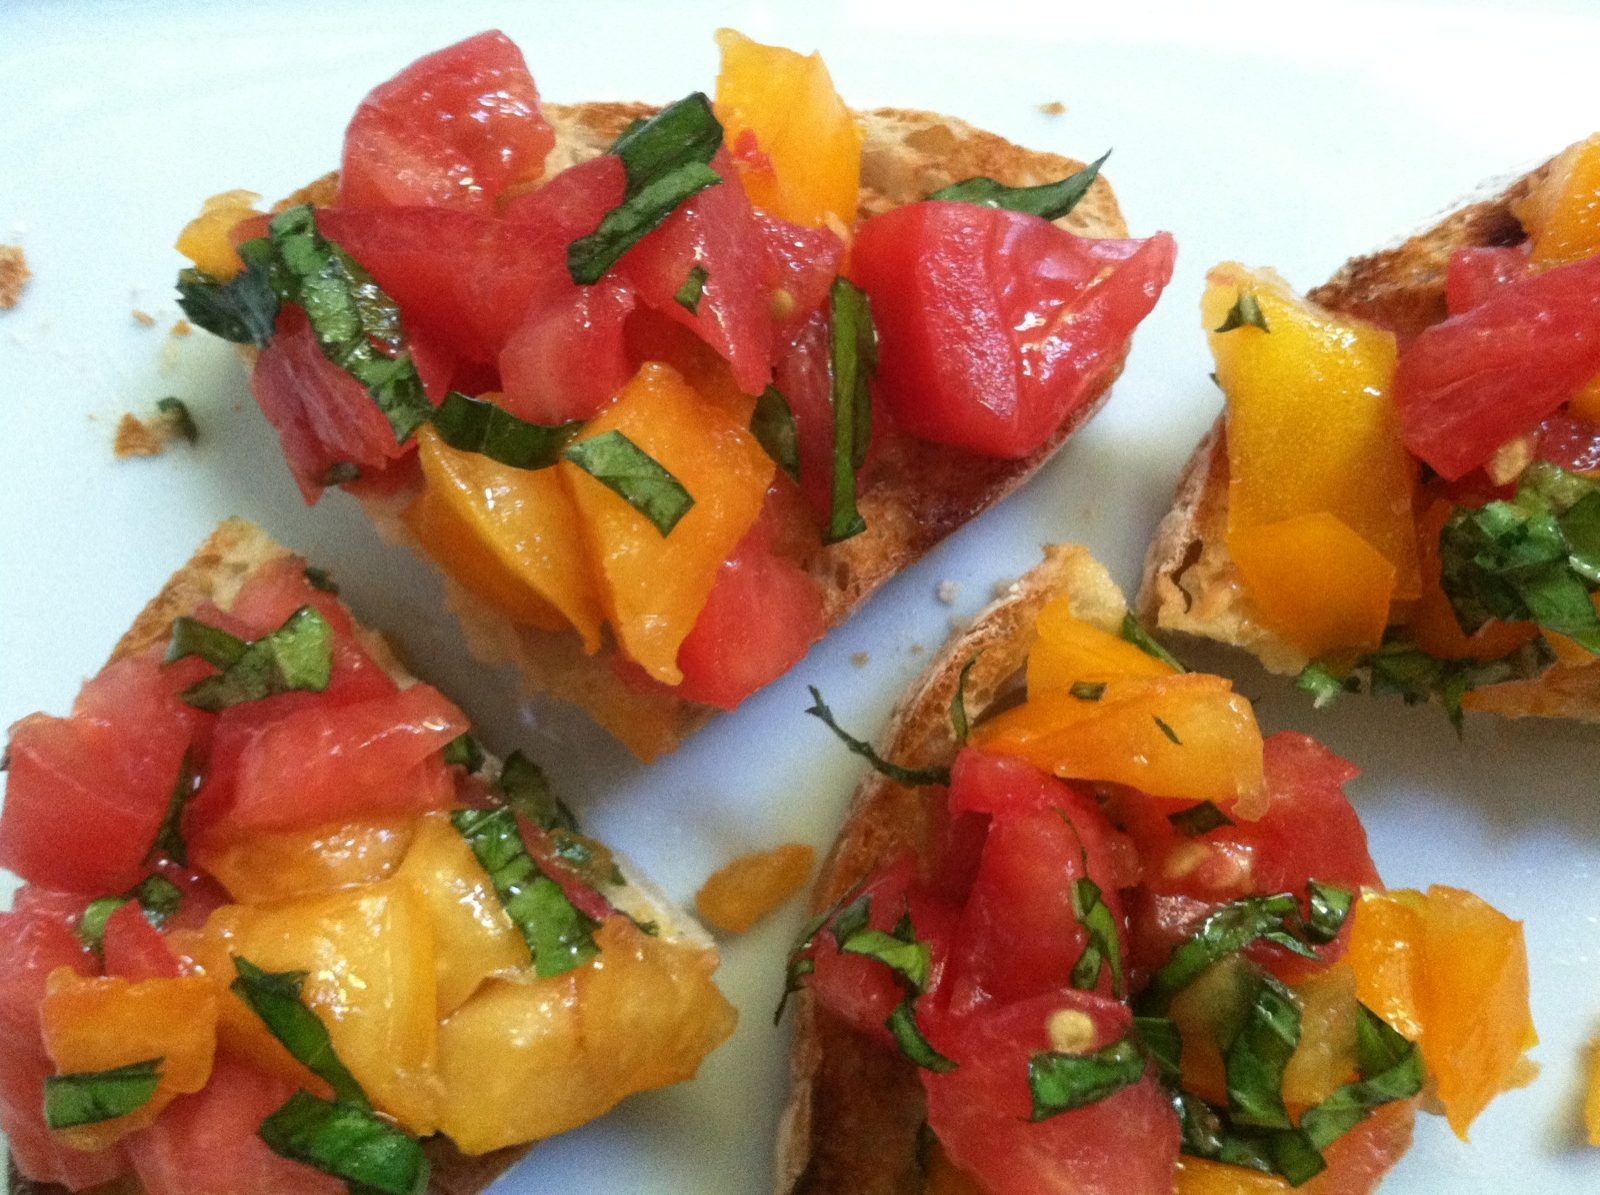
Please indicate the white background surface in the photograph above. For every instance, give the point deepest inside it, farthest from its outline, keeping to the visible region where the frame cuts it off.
(1252, 133)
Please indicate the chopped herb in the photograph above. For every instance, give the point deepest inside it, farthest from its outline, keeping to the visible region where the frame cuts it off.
(92, 1097)
(1104, 947)
(275, 998)
(852, 919)
(243, 309)
(1199, 819)
(523, 786)
(1087, 690)
(667, 159)
(1049, 200)
(799, 963)
(318, 578)
(1259, 1053)
(191, 637)
(1168, 731)
(558, 933)
(340, 473)
(899, 951)
(1133, 631)
(1391, 1069)
(592, 861)
(177, 413)
(169, 841)
(296, 656)
(1324, 684)
(1061, 1082)
(853, 355)
(1163, 1042)
(373, 1156)
(1246, 311)
(1227, 931)
(959, 723)
(688, 295)
(1330, 907)
(902, 1024)
(464, 751)
(773, 426)
(477, 425)
(799, 967)
(900, 775)
(158, 896)
(620, 465)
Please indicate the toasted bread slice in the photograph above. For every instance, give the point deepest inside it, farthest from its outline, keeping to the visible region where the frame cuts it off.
(914, 494)
(855, 1109)
(215, 574)
(1191, 585)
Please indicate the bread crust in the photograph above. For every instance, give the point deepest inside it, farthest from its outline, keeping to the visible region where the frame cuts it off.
(1190, 584)
(913, 494)
(855, 1108)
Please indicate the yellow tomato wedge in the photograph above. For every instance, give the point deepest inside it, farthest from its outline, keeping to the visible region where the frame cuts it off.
(1183, 735)
(1591, 1100)
(805, 161)
(530, 1058)
(747, 889)
(654, 586)
(1562, 215)
(98, 1024)
(507, 535)
(1069, 650)
(205, 240)
(1450, 972)
(282, 865)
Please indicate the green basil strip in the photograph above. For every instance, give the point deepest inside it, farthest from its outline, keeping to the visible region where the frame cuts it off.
(318, 578)
(464, 751)
(796, 971)
(169, 841)
(275, 998)
(1391, 1069)
(1258, 1055)
(799, 964)
(1226, 931)
(1133, 631)
(158, 896)
(902, 1024)
(296, 656)
(852, 919)
(1050, 201)
(773, 426)
(243, 309)
(477, 425)
(1164, 1043)
(558, 933)
(624, 468)
(1330, 906)
(351, 1143)
(853, 351)
(911, 777)
(1061, 1082)
(1104, 947)
(177, 412)
(1245, 312)
(191, 637)
(592, 861)
(523, 786)
(667, 159)
(1168, 731)
(1087, 690)
(1324, 685)
(91, 1097)
(1208, 1134)
(907, 957)
(694, 285)
(960, 724)
(1199, 819)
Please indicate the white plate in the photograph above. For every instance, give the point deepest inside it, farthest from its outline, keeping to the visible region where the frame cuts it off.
(1280, 140)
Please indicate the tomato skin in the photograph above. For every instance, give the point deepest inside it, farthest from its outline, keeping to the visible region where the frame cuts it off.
(452, 129)
(1477, 272)
(1469, 384)
(996, 325)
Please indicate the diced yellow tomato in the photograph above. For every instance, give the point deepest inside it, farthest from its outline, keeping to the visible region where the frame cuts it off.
(654, 586)
(282, 865)
(806, 164)
(1069, 650)
(1185, 735)
(1311, 426)
(205, 240)
(473, 936)
(368, 958)
(1207, 1012)
(1325, 1059)
(1315, 581)
(97, 1024)
(527, 1059)
(1562, 216)
(1591, 1100)
(944, 1177)
(1450, 972)
(1196, 1176)
(747, 889)
(507, 535)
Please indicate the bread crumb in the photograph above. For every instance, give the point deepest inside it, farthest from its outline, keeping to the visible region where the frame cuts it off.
(860, 659)
(917, 649)
(947, 592)
(1053, 108)
(182, 328)
(143, 318)
(135, 437)
(14, 275)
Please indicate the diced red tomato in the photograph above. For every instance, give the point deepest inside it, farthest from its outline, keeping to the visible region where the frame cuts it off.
(134, 949)
(64, 907)
(1469, 384)
(452, 129)
(324, 417)
(803, 262)
(1477, 271)
(996, 325)
(207, 1144)
(715, 230)
(804, 376)
(1125, 1144)
(568, 360)
(1573, 444)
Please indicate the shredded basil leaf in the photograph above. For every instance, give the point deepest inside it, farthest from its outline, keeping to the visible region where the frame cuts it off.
(688, 295)
(959, 723)
(318, 578)
(464, 751)
(1391, 1069)
(1133, 631)
(1324, 685)
(477, 425)
(243, 309)
(1163, 1041)
(558, 933)
(1199, 819)
(1259, 1053)
(1228, 930)
(178, 414)
(275, 998)
(1087, 690)
(900, 775)
(523, 786)
(1104, 947)
(1245, 312)
(351, 1143)
(667, 159)
(592, 861)
(169, 841)
(1050, 201)
(624, 468)
(1168, 731)
(900, 951)
(296, 656)
(853, 354)
(902, 1024)
(92, 1097)
(1330, 907)
(191, 637)
(773, 426)
(799, 963)
(158, 896)
(1061, 1082)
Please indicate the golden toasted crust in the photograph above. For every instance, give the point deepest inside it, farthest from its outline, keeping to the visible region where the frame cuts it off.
(914, 494)
(1190, 583)
(855, 1108)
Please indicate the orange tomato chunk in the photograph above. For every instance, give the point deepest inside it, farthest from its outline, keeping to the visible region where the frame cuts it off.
(260, 868)
(97, 1024)
(205, 240)
(1591, 1101)
(747, 889)
(1069, 650)
(1562, 216)
(793, 138)
(654, 586)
